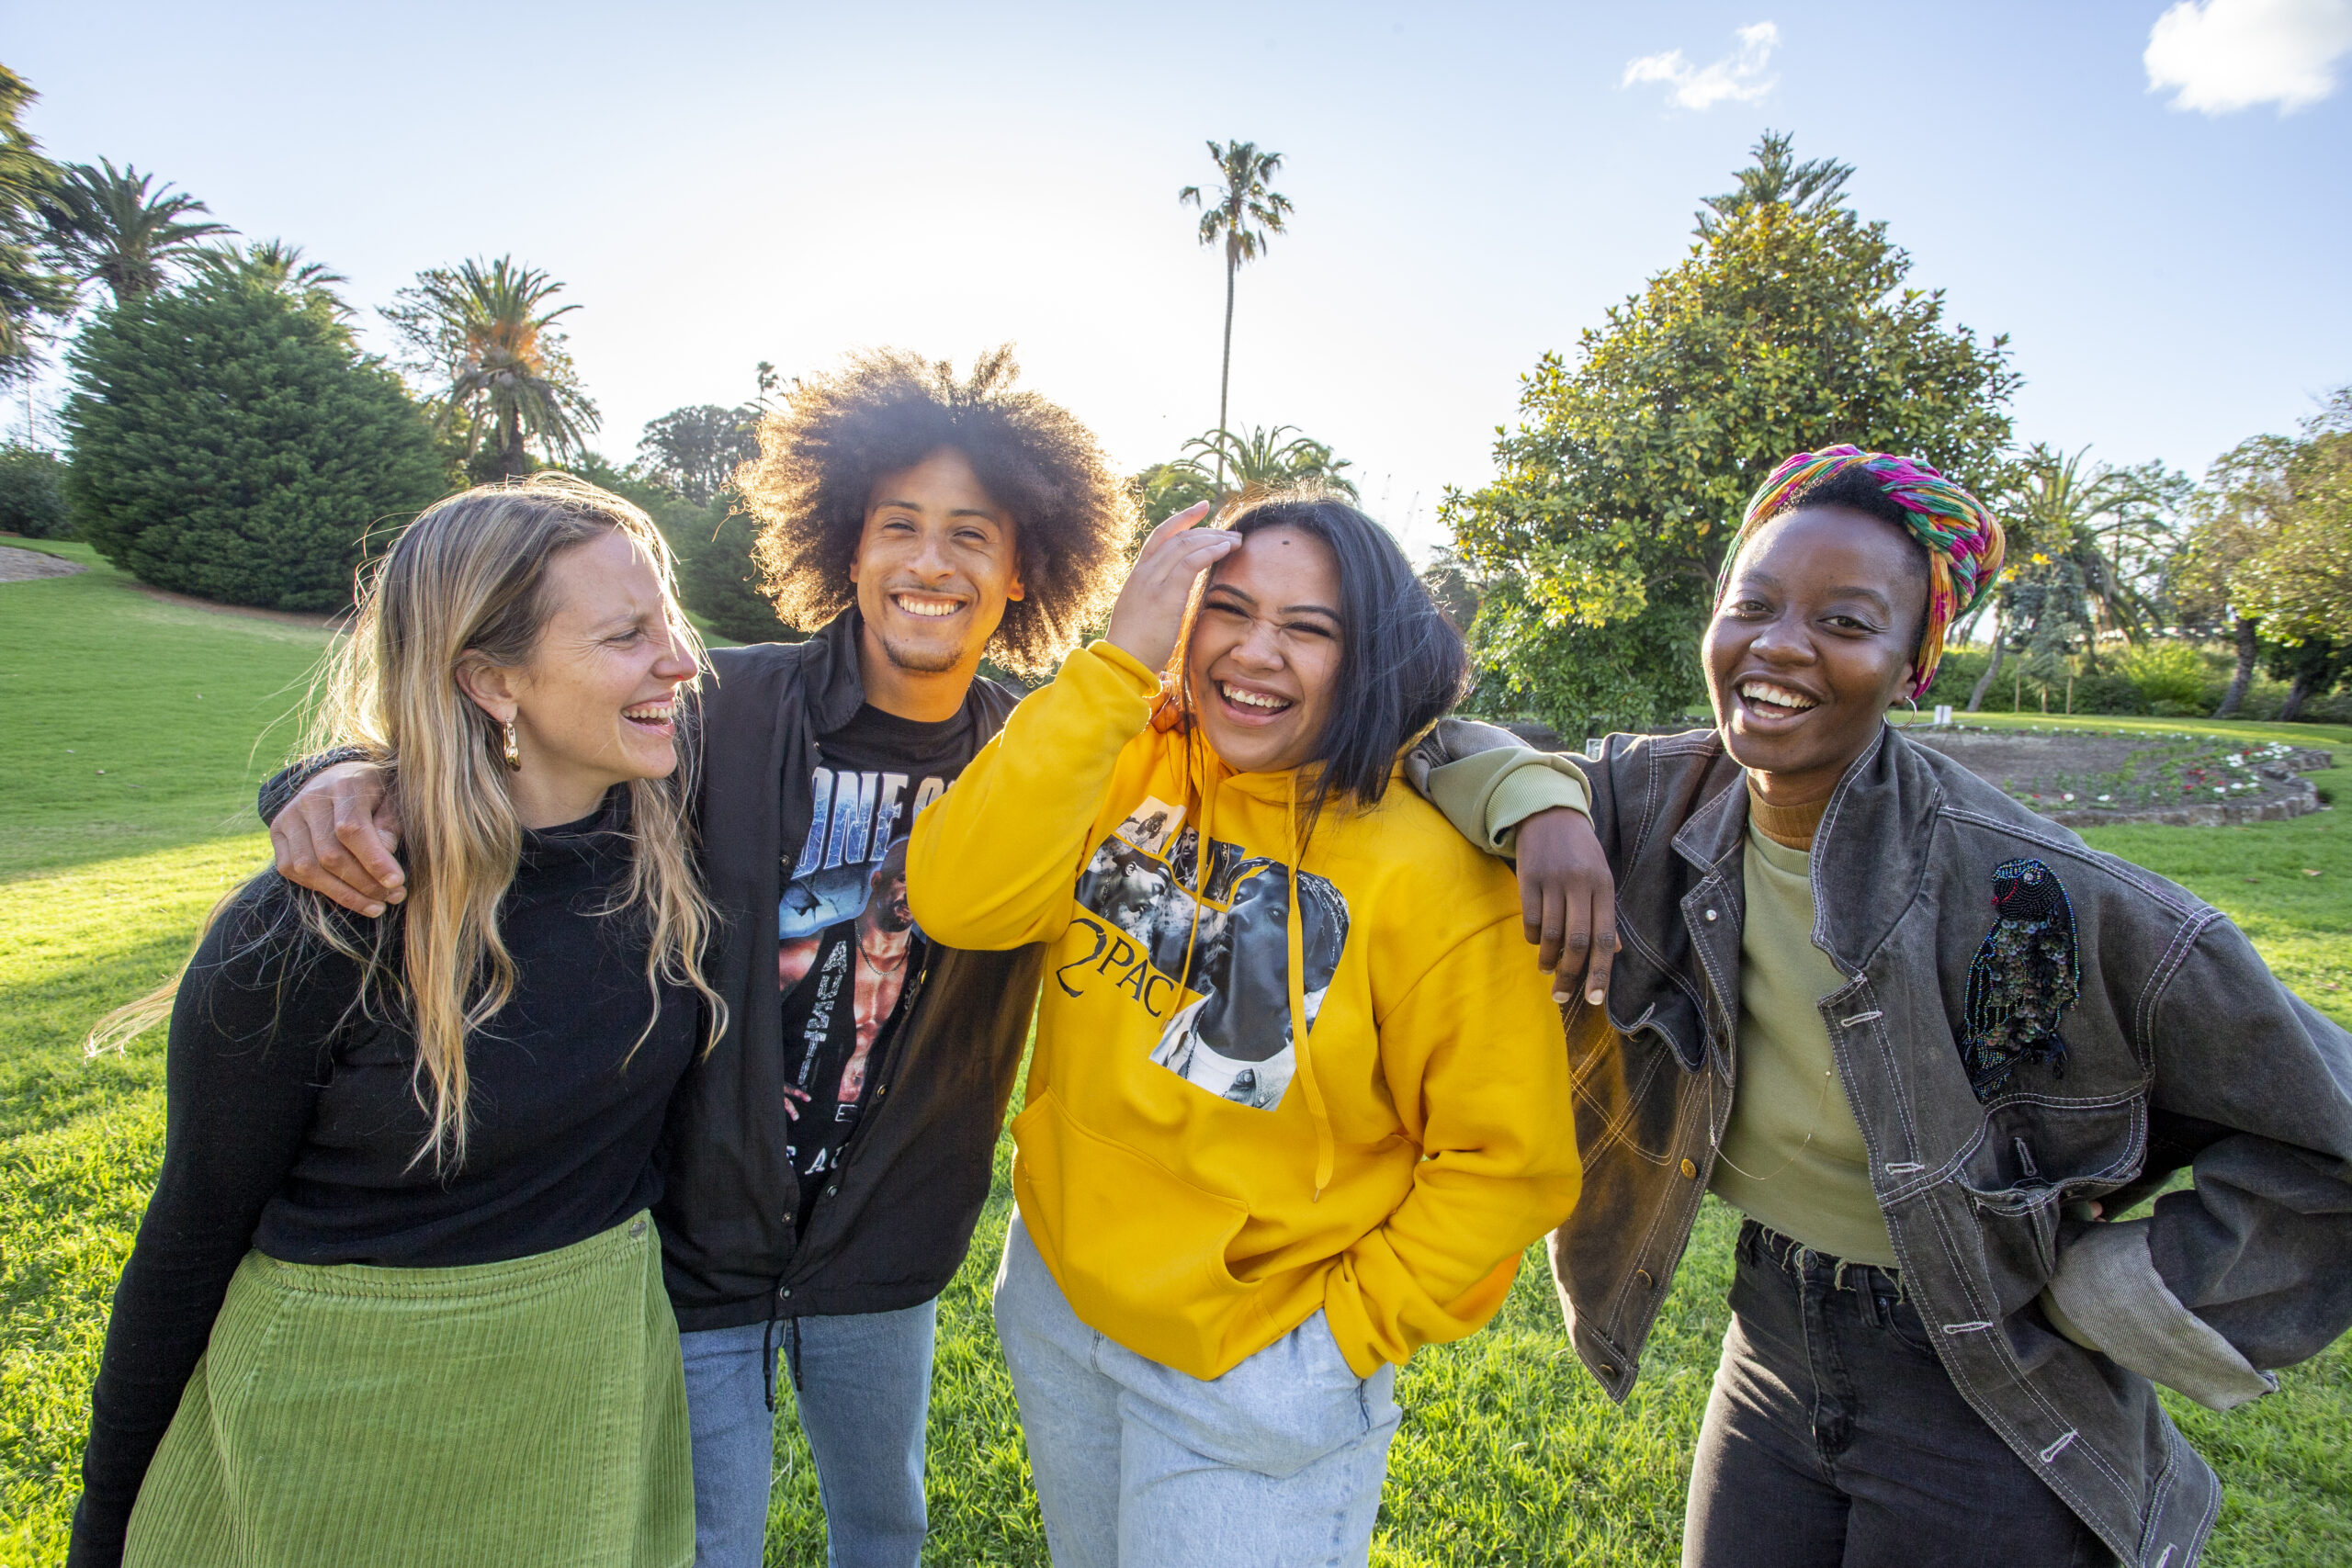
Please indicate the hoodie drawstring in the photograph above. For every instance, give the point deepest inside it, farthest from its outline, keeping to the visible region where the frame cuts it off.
(1326, 1149)
(1294, 925)
(1200, 863)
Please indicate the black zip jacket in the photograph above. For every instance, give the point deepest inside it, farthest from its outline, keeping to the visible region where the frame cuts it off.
(893, 1223)
(896, 1218)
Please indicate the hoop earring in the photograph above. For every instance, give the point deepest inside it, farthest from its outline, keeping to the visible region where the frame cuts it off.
(1912, 702)
(514, 751)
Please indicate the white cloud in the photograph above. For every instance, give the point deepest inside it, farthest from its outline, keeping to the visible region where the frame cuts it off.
(1739, 77)
(2220, 55)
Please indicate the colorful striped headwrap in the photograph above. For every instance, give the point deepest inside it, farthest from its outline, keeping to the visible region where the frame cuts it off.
(1964, 541)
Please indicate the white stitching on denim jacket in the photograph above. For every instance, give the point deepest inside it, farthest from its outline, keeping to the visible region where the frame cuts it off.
(2051, 1454)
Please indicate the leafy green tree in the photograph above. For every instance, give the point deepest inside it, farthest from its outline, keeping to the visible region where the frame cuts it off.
(111, 228)
(31, 501)
(230, 441)
(2300, 583)
(1227, 217)
(2235, 516)
(1457, 588)
(276, 265)
(712, 541)
(33, 294)
(502, 377)
(2270, 556)
(696, 451)
(716, 577)
(1786, 327)
(1809, 189)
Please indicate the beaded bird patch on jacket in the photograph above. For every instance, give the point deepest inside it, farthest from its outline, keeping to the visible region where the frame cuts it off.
(2024, 977)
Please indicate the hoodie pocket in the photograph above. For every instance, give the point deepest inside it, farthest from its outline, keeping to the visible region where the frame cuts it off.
(1139, 1250)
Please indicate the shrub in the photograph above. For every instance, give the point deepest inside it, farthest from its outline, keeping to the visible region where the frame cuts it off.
(2109, 691)
(231, 441)
(1956, 677)
(2168, 673)
(31, 501)
(715, 575)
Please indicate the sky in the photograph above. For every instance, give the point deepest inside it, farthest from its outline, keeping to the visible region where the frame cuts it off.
(2149, 198)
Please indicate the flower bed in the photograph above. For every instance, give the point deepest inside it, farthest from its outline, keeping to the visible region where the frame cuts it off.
(2087, 780)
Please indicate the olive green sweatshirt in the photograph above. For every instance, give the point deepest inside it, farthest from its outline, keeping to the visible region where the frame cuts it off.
(1793, 1156)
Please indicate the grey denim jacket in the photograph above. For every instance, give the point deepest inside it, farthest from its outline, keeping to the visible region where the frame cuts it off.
(2181, 1050)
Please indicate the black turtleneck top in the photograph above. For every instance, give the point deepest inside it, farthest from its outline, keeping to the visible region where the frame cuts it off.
(291, 1127)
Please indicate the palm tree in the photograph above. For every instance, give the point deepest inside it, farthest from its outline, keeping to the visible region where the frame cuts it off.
(1242, 201)
(1263, 460)
(507, 381)
(111, 229)
(30, 288)
(2077, 541)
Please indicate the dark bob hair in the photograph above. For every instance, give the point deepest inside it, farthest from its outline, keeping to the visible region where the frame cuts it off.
(885, 412)
(1402, 665)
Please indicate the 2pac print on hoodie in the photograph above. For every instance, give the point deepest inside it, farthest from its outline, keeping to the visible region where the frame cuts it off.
(1218, 930)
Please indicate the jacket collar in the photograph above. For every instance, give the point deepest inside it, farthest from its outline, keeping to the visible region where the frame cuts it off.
(835, 686)
(835, 689)
(1873, 849)
(1869, 855)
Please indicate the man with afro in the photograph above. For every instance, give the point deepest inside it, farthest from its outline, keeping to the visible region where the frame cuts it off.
(821, 1195)
(827, 1158)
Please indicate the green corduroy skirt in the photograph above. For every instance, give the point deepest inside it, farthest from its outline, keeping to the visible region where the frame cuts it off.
(531, 1412)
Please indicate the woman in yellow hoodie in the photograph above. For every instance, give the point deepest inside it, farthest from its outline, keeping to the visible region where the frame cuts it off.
(1297, 1100)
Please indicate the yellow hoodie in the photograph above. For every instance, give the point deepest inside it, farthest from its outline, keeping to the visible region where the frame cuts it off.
(1199, 1183)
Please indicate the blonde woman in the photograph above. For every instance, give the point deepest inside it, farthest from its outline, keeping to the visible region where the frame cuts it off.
(397, 1297)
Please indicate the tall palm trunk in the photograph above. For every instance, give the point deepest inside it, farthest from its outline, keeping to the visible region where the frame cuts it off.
(2242, 676)
(514, 463)
(1225, 372)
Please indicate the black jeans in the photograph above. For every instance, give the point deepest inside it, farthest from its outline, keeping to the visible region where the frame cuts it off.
(1834, 1437)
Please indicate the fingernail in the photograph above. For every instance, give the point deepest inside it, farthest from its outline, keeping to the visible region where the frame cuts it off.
(1596, 997)
(374, 910)
(1559, 996)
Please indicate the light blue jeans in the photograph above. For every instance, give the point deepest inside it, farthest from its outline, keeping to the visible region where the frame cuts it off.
(1276, 1464)
(865, 1391)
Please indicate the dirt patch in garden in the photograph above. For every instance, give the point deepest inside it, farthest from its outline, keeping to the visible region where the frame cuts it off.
(2082, 779)
(31, 566)
(2085, 780)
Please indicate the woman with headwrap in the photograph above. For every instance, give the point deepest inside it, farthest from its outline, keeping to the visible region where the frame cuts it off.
(1934, 1047)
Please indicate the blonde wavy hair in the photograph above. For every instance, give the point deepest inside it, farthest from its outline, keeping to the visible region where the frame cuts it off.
(468, 581)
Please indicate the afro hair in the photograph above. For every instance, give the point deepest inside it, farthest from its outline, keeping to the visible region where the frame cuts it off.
(886, 411)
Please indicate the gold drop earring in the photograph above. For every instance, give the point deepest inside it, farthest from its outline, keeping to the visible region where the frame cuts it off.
(514, 751)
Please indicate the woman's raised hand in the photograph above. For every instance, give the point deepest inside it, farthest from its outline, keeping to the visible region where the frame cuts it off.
(1150, 611)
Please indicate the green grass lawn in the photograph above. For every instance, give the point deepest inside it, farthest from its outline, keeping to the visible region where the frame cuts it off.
(1509, 1454)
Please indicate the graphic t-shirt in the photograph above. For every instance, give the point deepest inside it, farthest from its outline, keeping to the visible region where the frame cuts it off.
(847, 947)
